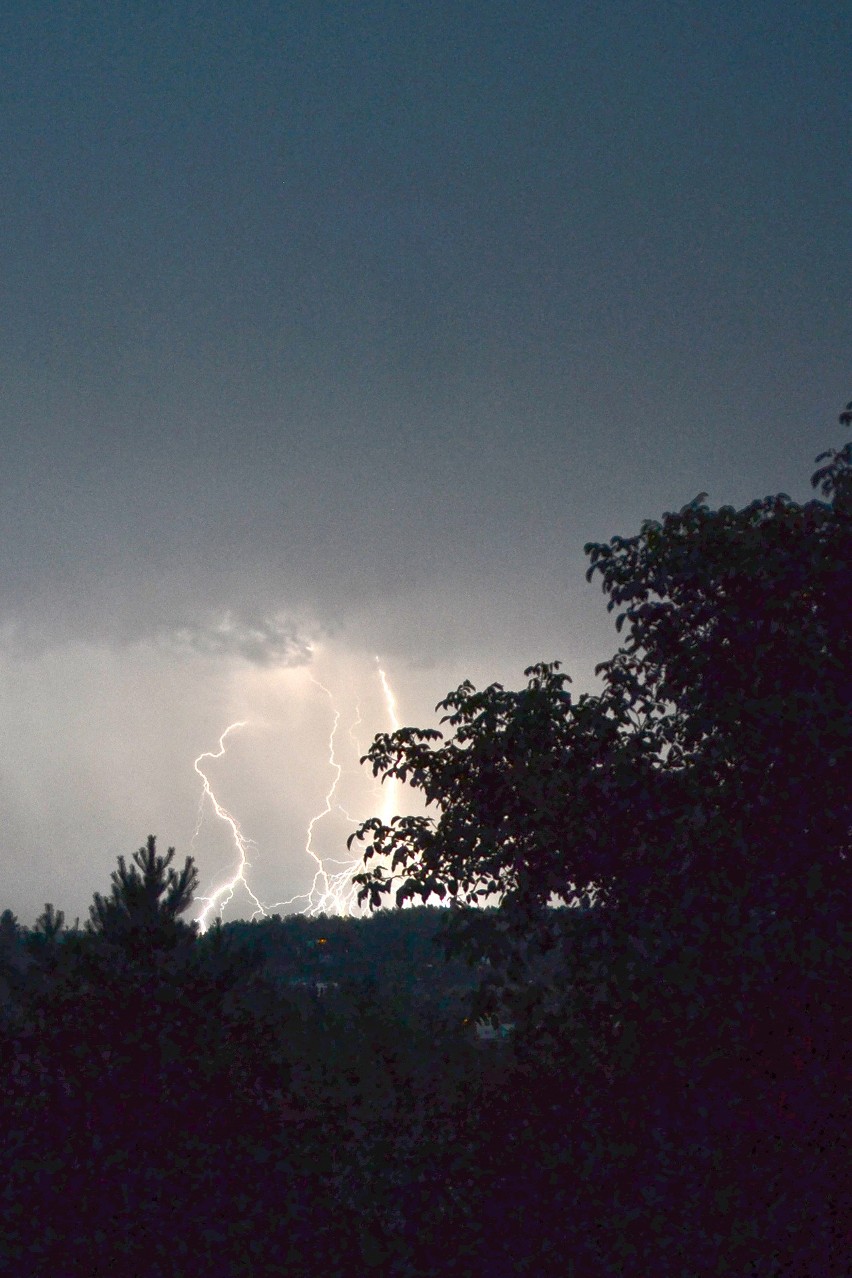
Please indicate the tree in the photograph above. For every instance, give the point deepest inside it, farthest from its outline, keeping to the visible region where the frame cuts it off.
(44, 940)
(10, 932)
(134, 1059)
(49, 924)
(14, 961)
(142, 910)
(713, 756)
(701, 800)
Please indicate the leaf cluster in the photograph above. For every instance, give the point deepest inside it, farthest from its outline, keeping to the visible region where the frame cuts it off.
(713, 755)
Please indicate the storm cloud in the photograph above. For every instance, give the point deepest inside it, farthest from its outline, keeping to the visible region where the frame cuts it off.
(333, 331)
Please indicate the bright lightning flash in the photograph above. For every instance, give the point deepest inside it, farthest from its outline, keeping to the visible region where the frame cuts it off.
(216, 902)
(390, 702)
(332, 890)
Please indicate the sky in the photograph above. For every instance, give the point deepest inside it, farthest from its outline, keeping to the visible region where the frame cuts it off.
(333, 332)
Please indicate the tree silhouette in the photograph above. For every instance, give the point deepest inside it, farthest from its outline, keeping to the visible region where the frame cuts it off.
(14, 960)
(50, 923)
(702, 800)
(711, 760)
(147, 897)
(9, 928)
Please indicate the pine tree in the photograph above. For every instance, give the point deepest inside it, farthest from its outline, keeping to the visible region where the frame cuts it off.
(146, 899)
(50, 923)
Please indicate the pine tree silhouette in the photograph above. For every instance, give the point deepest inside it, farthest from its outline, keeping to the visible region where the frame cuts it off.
(145, 902)
(50, 923)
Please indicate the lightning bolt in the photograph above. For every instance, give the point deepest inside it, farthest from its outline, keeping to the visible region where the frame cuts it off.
(216, 902)
(356, 744)
(331, 890)
(390, 703)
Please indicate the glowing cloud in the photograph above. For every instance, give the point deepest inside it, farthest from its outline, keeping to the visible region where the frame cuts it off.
(262, 641)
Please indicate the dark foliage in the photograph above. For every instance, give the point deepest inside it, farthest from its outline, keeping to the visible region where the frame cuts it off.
(702, 800)
(142, 911)
(666, 1089)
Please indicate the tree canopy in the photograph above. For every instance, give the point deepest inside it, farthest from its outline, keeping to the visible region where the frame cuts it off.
(699, 803)
(713, 757)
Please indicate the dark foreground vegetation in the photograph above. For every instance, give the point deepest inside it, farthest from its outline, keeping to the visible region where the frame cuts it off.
(312, 1097)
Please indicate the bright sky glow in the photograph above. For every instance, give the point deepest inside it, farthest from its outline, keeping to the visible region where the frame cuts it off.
(330, 865)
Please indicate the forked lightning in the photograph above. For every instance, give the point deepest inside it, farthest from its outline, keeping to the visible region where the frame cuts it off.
(332, 890)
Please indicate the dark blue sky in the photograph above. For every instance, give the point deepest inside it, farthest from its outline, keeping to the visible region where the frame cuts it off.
(354, 322)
